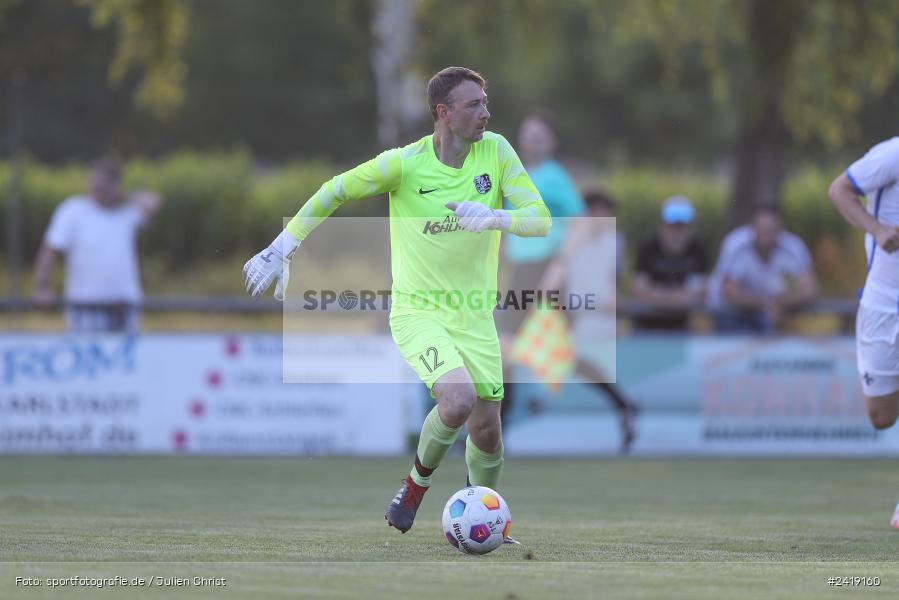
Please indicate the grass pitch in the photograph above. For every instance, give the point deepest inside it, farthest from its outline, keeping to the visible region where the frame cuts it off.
(314, 528)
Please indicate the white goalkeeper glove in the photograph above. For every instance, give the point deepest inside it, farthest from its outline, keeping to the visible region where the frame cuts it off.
(475, 217)
(270, 264)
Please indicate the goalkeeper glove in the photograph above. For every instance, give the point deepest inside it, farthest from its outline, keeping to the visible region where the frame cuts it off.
(475, 217)
(270, 264)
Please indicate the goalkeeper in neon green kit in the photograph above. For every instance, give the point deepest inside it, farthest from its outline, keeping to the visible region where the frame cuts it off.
(446, 193)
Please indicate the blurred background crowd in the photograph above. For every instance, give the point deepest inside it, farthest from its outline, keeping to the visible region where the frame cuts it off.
(235, 112)
(149, 147)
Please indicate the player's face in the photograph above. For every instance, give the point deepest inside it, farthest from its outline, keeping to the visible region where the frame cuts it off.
(600, 211)
(676, 236)
(105, 188)
(467, 115)
(535, 140)
(766, 227)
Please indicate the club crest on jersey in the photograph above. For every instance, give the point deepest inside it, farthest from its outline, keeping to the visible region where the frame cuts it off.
(482, 183)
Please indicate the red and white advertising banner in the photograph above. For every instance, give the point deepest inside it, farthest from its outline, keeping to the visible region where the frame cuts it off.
(196, 393)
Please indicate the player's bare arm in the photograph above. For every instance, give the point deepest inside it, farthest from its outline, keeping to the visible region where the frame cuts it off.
(803, 290)
(739, 296)
(46, 261)
(845, 197)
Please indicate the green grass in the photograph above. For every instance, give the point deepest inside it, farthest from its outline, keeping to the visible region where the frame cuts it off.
(314, 528)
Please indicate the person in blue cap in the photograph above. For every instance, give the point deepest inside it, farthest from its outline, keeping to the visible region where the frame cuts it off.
(671, 269)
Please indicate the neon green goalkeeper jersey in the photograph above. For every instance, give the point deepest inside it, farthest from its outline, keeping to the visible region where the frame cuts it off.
(436, 265)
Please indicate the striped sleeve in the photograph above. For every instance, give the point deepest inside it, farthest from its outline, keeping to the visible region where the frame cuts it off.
(529, 215)
(380, 175)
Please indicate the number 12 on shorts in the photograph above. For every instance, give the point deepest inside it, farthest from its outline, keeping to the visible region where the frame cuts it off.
(425, 356)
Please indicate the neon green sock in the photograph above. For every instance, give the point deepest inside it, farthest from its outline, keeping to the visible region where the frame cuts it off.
(483, 468)
(435, 441)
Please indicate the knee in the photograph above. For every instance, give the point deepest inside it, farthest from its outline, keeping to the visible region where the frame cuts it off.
(456, 404)
(490, 442)
(487, 436)
(882, 419)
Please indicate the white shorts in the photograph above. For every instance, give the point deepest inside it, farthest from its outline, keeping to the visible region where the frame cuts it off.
(877, 351)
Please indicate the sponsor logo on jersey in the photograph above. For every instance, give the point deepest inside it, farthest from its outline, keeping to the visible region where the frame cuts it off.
(448, 224)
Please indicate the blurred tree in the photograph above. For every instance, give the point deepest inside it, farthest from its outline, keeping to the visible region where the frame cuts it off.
(284, 78)
(151, 37)
(66, 63)
(612, 103)
(287, 78)
(399, 92)
(629, 81)
(61, 61)
(794, 72)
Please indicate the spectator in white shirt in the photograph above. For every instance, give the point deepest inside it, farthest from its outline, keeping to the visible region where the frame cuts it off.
(762, 272)
(97, 235)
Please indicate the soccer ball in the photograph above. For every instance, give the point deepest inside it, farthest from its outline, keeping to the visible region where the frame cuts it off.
(476, 520)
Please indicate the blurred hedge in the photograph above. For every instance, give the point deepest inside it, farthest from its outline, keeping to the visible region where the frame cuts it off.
(215, 205)
(219, 208)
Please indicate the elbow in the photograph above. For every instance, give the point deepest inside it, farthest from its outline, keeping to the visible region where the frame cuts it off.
(547, 224)
(641, 287)
(533, 223)
(812, 292)
(833, 192)
(543, 222)
(843, 190)
(730, 292)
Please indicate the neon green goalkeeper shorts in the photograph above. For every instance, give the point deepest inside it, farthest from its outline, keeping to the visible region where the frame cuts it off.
(432, 348)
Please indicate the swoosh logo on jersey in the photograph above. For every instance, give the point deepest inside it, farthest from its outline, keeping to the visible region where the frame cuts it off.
(423, 192)
(497, 390)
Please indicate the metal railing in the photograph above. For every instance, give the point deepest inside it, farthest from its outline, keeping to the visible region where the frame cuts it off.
(237, 304)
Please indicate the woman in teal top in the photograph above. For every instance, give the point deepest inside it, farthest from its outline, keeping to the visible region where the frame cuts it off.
(537, 145)
(527, 262)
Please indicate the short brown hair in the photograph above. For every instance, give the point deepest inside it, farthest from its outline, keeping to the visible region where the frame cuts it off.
(598, 198)
(444, 81)
(545, 116)
(108, 166)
